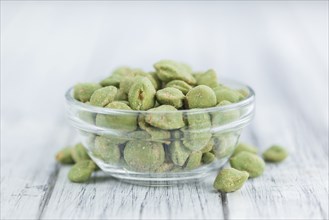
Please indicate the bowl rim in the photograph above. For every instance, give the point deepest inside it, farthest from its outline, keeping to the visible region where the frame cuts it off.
(83, 106)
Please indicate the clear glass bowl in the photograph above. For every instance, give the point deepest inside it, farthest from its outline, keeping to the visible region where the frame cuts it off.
(125, 145)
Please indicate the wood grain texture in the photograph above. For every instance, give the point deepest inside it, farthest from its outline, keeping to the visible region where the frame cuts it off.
(107, 198)
(279, 49)
(291, 189)
(28, 173)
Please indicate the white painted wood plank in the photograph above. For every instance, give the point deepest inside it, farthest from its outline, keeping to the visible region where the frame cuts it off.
(108, 198)
(28, 169)
(294, 189)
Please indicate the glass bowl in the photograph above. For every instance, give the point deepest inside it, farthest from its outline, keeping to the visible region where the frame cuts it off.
(125, 145)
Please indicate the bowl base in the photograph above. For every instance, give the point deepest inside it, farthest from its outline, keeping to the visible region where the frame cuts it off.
(160, 181)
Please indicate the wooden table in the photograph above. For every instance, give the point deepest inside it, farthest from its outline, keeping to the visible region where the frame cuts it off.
(280, 49)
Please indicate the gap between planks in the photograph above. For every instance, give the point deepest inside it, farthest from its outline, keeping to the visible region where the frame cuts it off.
(52, 180)
(223, 197)
(50, 187)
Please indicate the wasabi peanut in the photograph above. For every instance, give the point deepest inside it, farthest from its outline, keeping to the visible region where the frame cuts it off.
(208, 157)
(165, 167)
(223, 93)
(178, 153)
(197, 120)
(141, 95)
(196, 140)
(197, 135)
(170, 96)
(155, 133)
(64, 156)
(121, 96)
(208, 78)
(83, 166)
(107, 150)
(120, 122)
(128, 81)
(83, 91)
(143, 135)
(144, 156)
(246, 161)
(87, 116)
(244, 93)
(165, 117)
(102, 97)
(208, 147)
(245, 147)
(168, 70)
(81, 171)
(116, 76)
(194, 160)
(201, 97)
(225, 116)
(79, 153)
(230, 180)
(224, 145)
(180, 85)
(275, 154)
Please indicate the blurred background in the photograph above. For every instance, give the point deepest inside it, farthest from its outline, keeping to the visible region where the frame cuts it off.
(278, 48)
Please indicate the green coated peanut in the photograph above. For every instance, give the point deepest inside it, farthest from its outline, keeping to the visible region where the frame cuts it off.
(103, 96)
(170, 96)
(225, 116)
(201, 97)
(79, 153)
(120, 121)
(230, 180)
(208, 78)
(246, 161)
(194, 160)
(83, 91)
(81, 171)
(165, 117)
(245, 147)
(180, 85)
(224, 145)
(144, 156)
(156, 133)
(106, 150)
(195, 140)
(208, 146)
(64, 156)
(178, 153)
(223, 93)
(208, 157)
(168, 70)
(141, 95)
(275, 154)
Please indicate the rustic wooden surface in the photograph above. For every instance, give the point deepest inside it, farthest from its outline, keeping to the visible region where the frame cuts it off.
(280, 49)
